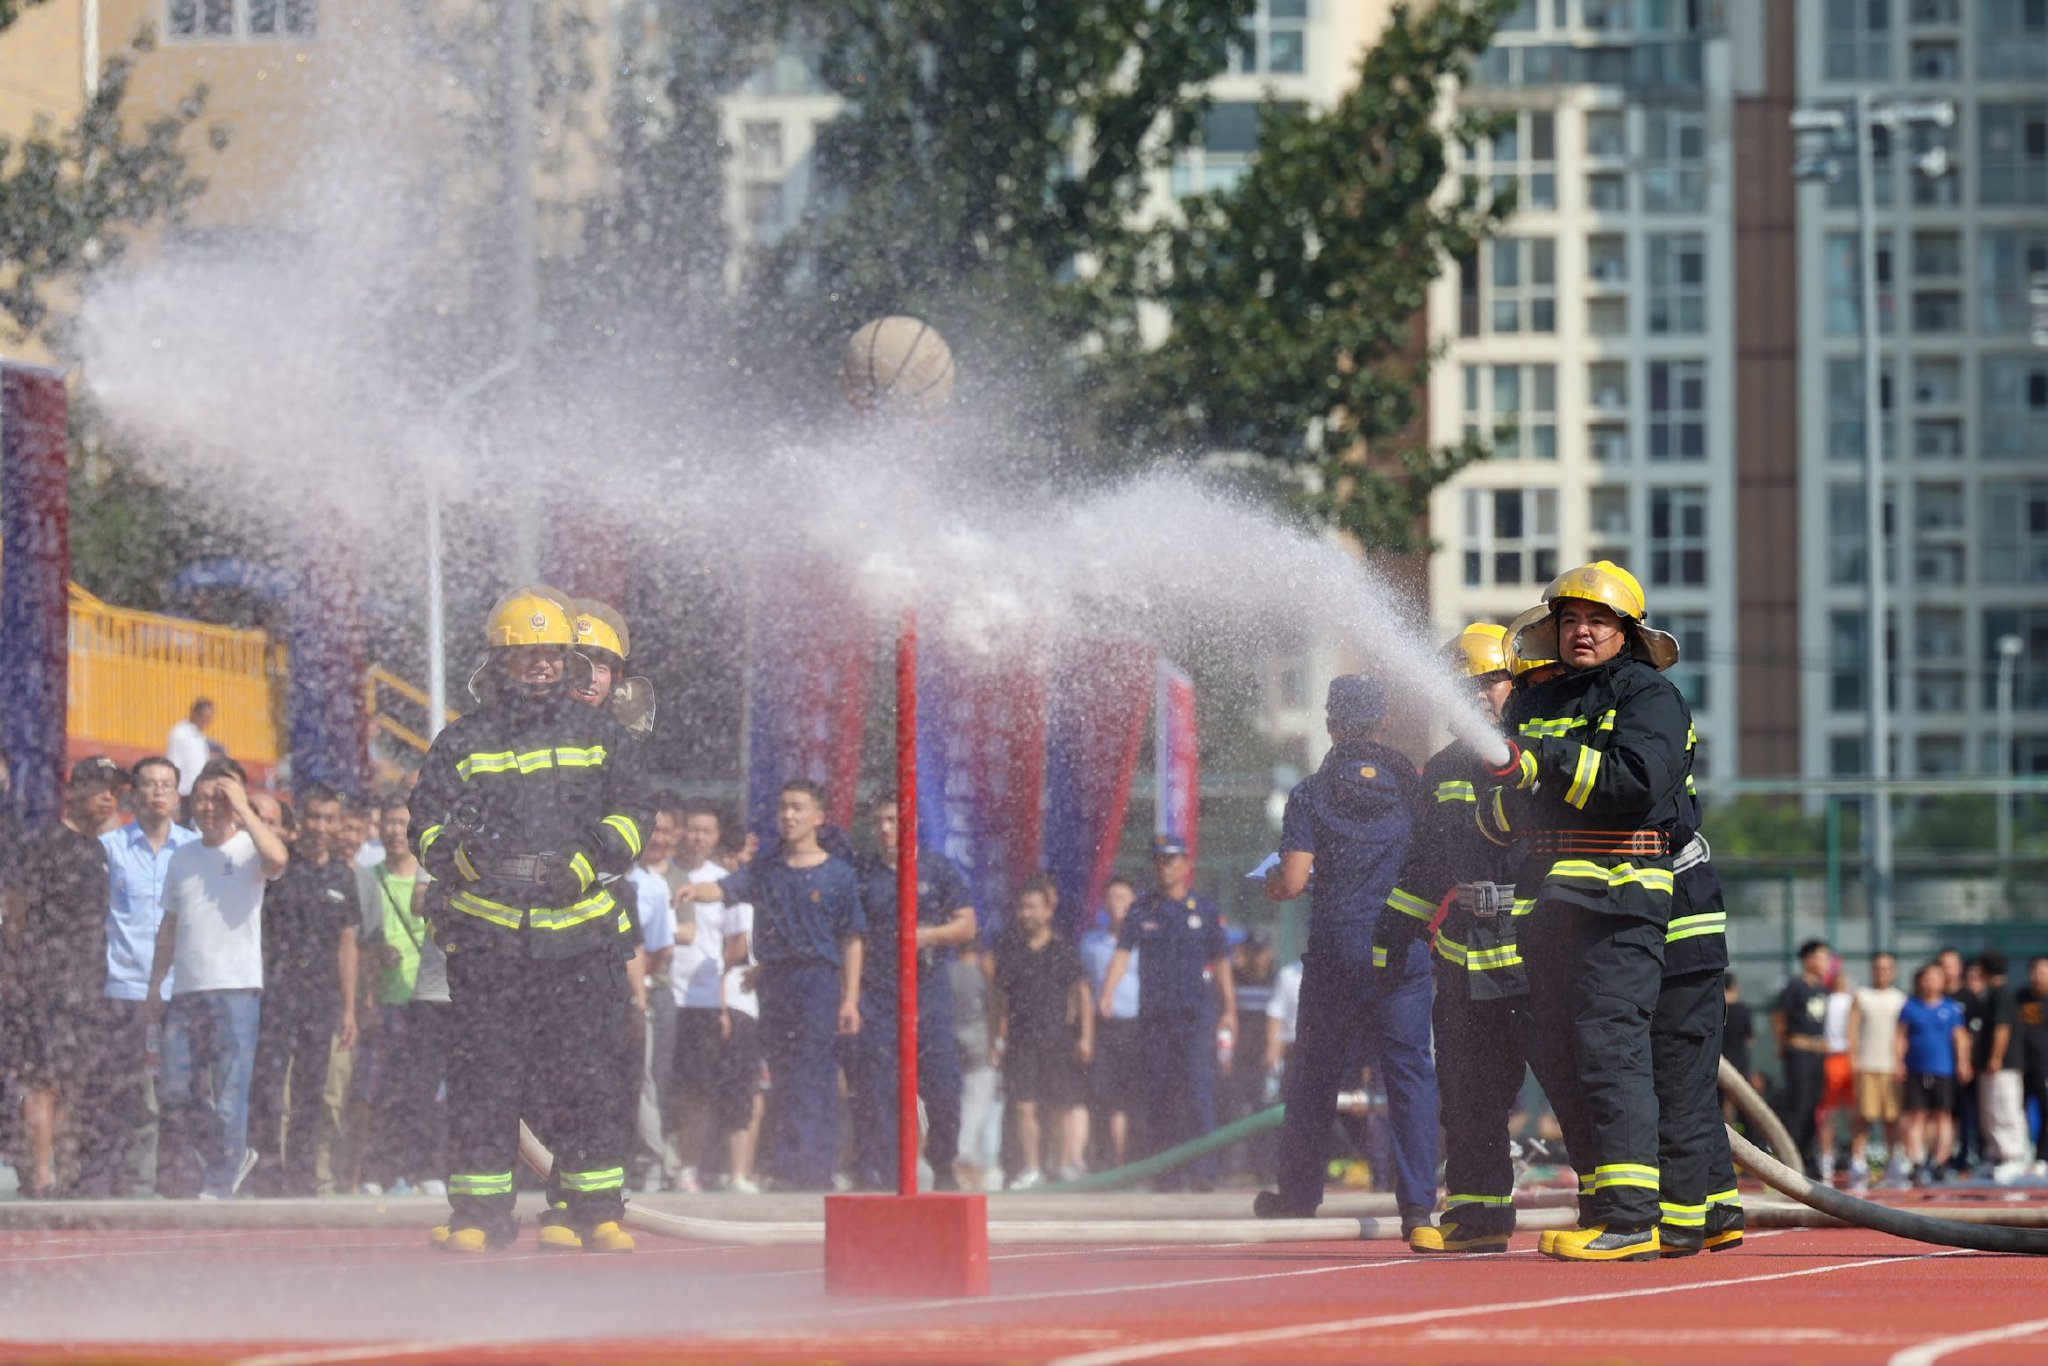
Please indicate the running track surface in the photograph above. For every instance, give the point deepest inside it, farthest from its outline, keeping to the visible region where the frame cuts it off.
(304, 1298)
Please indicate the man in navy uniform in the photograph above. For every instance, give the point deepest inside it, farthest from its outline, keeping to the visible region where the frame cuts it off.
(945, 918)
(1349, 823)
(1182, 937)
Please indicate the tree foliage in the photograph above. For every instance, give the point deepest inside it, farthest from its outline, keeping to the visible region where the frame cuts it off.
(70, 200)
(11, 10)
(1295, 294)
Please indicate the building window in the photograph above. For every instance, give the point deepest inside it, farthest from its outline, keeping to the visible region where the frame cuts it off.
(1515, 406)
(1937, 634)
(1274, 39)
(1845, 408)
(1848, 520)
(1941, 62)
(2030, 678)
(1510, 537)
(1607, 385)
(1521, 160)
(2007, 263)
(1938, 438)
(1674, 161)
(1523, 284)
(1608, 513)
(1678, 284)
(1937, 255)
(1937, 381)
(1606, 134)
(1942, 695)
(1678, 537)
(761, 146)
(2015, 402)
(1845, 756)
(1230, 134)
(2012, 153)
(1678, 410)
(1841, 267)
(2012, 39)
(1858, 40)
(1848, 661)
(2015, 533)
(1690, 672)
(197, 20)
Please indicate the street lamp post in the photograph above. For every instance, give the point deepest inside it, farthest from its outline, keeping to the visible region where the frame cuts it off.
(2009, 650)
(1866, 113)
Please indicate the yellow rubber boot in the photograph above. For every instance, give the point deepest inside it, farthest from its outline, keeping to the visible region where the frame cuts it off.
(559, 1238)
(1448, 1237)
(1596, 1244)
(438, 1236)
(609, 1237)
(466, 1240)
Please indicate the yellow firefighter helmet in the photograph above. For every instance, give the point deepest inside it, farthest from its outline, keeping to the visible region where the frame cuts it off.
(1533, 635)
(531, 614)
(1480, 649)
(600, 627)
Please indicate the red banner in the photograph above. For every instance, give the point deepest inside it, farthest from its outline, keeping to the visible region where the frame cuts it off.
(1177, 758)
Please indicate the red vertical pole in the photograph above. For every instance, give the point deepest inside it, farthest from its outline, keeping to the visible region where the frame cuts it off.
(906, 905)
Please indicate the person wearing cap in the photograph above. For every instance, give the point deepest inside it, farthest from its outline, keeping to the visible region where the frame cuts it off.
(1589, 796)
(55, 936)
(522, 807)
(1181, 935)
(1459, 887)
(1349, 824)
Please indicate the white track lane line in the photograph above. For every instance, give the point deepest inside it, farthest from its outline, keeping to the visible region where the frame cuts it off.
(1934, 1349)
(1148, 1351)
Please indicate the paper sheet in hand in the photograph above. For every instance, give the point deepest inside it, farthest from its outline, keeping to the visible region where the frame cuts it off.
(1260, 873)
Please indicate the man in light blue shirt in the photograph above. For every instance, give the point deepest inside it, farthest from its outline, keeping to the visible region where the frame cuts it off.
(1118, 1074)
(138, 856)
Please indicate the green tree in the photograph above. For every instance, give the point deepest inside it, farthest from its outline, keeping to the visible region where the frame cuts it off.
(1294, 295)
(71, 199)
(10, 10)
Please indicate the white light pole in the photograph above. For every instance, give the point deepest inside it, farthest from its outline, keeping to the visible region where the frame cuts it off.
(2009, 651)
(1830, 123)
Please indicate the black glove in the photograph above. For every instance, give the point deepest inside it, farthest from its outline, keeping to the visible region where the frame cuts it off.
(1392, 937)
(568, 875)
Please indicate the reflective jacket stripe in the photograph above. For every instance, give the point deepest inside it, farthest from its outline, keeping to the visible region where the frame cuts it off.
(628, 830)
(1407, 903)
(1624, 1174)
(1456, 790)
(539, 917)
(534, 761)
(1584, 774)
(1537, 727)
(1693, 926)
(1620, 874)
(1487, 960)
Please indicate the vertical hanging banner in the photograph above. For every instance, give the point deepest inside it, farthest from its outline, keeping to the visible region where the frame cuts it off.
(1095, 726)
(329, 737)
(812, 663)
(1177, 759)
(35, 582)
(981, 767)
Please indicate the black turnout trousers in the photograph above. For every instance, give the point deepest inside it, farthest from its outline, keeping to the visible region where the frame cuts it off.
(1693, 1159)
(1478, 1075)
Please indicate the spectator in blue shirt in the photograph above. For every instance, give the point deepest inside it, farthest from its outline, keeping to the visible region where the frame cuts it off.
(1934, 1058)
(807, 944)
(1118, 1075)
(138, 857)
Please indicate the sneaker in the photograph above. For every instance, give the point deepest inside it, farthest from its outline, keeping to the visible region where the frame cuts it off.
(2039, 1168)
(740, 1185)
(1273, 1205)
(435, 1187)
(370, 1188)
(1827, 1168)
(2005, 1173)
(1450, 1237)
(687, 1182)
(401, 1187)
(1599, 1244)
(249, 1160)
(1859, 1171)
(1026, 1179)
(609, 1236)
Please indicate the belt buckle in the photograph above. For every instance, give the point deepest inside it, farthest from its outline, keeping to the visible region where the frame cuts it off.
(1485, 899)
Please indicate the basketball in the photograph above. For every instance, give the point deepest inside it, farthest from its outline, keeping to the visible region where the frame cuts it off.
(897, 366)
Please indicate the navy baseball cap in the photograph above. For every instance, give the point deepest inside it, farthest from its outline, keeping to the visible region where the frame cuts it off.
(1356, 698)
(1168, 846)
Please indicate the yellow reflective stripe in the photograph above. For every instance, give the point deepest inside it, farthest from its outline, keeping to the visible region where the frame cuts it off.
(1487, 960)
(1527, 764)
(1692, 735)
(480, 1183)
(611, 1178)
(1624, 1174)
(1691, 787)
(1693, 926)
(1450, 1200)
(497, 912)
(533, 761)
(1731, 1196)
(1456, 790)
(1683, 1216)
(1500, 810)
(1379, 956)
(567, 757)
(1584, 774)
(1542, 727)
(1585, 1185)
(1524, 905)
(582, 912)
(584, 872)
(1621, 874)
(1607, 719)
(463, 865)
(1407, 903)
(628, 830)
(428, 836)
(1450, 949)
(501, 762)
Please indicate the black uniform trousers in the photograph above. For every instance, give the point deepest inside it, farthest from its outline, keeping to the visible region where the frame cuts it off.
(1594, 980)
(1694, 1164)
(288, 1086)
(1806, 1081)
(535, 1036)
(1478, 1075)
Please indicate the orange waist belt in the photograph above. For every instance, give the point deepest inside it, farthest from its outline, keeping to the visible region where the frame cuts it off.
(1597, 843)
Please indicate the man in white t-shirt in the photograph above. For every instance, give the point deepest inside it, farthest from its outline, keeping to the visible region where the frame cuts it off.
(188, 747)
(654, 1163)
(1873, 1043)
(212, 934)
(739, 1102)
(696, 981)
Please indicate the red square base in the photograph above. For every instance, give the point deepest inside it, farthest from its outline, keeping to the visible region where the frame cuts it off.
(910, 1245)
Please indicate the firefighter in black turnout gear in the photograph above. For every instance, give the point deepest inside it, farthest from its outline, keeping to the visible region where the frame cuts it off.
(1463, 885)
(1696, 1172)
(1593, 789)
(521, 806)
